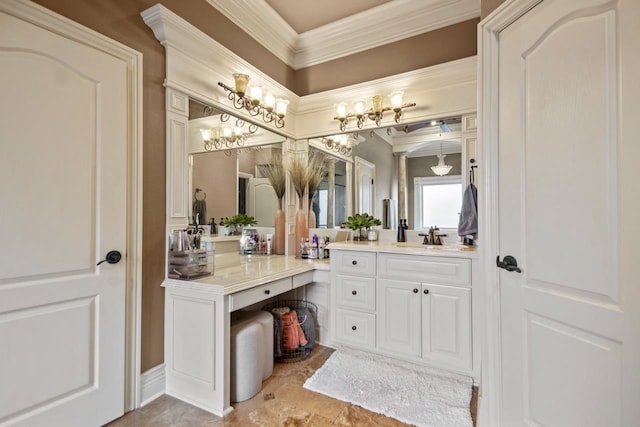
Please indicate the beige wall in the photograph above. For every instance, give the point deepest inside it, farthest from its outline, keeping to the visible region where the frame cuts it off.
(216, 174)
(489, 6)
(443, 45)
(120, 20)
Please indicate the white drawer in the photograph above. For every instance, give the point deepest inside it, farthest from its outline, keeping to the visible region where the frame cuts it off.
(425, 269)
(354, 263)
(356, 292)
(259, 293)
(355, 328)
(302, 279)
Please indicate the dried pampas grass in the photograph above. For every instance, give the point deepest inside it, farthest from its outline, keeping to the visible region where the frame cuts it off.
(275, 172)
(317, 170)
(297, 168)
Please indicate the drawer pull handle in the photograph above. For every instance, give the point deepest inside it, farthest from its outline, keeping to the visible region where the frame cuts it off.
(426, 291)
(415, 290)
(353, 328)
(354, 262)
(267, 291)
(354, 292)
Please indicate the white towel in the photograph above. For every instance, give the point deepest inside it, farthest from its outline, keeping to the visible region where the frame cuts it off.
(468, 223)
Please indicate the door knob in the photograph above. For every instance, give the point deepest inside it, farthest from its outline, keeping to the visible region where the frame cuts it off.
(426, 291)
(354, 292)
(113, 257)
(415, 290)
(509, 263)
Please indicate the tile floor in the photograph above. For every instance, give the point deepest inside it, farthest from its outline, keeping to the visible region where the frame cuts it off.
(281, 402)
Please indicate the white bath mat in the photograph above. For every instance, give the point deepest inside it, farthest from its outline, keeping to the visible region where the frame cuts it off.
(405, 391)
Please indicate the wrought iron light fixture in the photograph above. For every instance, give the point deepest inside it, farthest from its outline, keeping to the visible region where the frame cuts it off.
(441, 169)
(341, 143)
(271, 109)
(227, 136)
(374, 113)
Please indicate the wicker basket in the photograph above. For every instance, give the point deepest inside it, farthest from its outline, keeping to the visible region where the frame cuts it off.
(308, 322)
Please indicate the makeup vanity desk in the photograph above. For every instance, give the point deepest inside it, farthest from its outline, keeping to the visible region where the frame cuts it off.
(198, 320)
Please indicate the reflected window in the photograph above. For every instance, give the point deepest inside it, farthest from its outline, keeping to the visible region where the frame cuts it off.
(437, 201)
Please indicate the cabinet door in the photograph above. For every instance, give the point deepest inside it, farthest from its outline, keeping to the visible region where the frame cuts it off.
(446, 325)
(398, 327)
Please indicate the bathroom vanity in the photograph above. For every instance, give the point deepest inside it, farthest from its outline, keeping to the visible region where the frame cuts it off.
(406, 301)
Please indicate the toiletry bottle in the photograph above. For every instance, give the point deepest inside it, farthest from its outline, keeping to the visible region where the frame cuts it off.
(268, 244)
(320, 249)
(212, 227)
(313, 253)
(401, 233)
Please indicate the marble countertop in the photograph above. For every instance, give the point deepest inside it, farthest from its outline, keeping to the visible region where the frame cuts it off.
(407, 248)
(234, 272)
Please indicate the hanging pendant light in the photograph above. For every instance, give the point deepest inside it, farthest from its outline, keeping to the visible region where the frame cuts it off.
(441, 169)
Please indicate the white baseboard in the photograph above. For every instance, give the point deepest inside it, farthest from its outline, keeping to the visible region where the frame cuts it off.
(152, 384)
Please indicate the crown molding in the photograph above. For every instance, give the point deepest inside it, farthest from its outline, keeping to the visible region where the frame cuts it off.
(260, 21)
(387, 23)
(375, 27)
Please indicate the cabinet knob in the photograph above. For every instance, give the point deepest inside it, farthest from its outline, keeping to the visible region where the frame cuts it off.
(426, 291)
(353, 328)
(354, 292)
(354, 262)
(267, 291)
(415, 290)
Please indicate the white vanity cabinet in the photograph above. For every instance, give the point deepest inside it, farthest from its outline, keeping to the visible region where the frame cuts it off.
(415, 307)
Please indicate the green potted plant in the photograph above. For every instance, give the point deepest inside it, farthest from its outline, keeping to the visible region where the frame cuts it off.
(236, 222)
(359, 222)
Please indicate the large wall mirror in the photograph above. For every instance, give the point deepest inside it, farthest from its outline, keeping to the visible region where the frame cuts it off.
(432, 199)
(224, 155)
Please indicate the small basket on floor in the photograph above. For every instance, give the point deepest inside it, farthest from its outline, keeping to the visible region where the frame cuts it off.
(294, 329)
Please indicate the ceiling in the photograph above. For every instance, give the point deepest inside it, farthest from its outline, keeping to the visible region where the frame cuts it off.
(306, 15)
(303, 33)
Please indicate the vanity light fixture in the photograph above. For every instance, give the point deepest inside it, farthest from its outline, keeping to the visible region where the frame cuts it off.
(441, 169)
(226, 136)
(374, 113)
(250, 98)
(341, 143)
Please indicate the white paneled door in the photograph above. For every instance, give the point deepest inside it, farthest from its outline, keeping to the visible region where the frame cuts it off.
(262, 202)
(63, 175)
(568, 325)
(365, 175)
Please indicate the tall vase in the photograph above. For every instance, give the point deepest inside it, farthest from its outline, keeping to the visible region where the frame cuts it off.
(278, 237)
(302, 226)
(312, 214)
